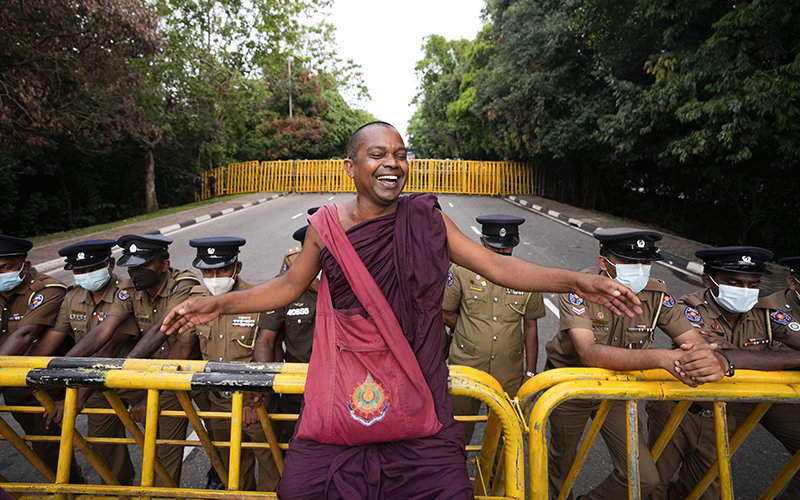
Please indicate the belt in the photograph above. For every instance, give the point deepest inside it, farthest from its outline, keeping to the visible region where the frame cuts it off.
(699, 410)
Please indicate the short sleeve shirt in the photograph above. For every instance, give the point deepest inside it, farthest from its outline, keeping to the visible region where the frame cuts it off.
(295, 326)
(229, 337)
(35, 301)
(79, 314)
(763, 327)
(612, 330)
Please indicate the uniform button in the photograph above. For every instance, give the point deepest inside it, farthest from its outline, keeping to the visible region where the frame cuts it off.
(705, 302)
(94, 314)
(154, 310)
(462, 346)
(494, 319)
(162, 347)
(475, 297)
(220, 358)
(494, 338)
(515, 302)
(242, 337)
(299, 321)
(492, 357)
(221, 336)
(615, 338)
(495, 299)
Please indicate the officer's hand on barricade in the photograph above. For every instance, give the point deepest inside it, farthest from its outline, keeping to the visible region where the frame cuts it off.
(608, 293)
(190, 313)
(139, 412)
(713, 338)
(56, 415)
(256, 399)
(700, 363)
(249, 416)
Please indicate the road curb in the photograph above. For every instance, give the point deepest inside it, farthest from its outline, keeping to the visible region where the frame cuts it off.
(56, 263)
(670, 259)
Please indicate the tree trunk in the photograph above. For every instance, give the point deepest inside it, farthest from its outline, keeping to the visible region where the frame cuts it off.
(150, 200)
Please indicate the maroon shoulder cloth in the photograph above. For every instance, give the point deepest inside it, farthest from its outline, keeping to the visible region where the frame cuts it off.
(407, 254)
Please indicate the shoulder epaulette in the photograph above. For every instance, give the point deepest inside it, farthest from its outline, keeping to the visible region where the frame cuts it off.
(182, 278)
(293, 250)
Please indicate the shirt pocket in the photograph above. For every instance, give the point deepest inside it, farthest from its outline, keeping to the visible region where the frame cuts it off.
(204, 337)
(241, 342)
(513, 307)
(476, 302)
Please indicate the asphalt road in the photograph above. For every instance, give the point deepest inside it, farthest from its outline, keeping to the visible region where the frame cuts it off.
(268, 229)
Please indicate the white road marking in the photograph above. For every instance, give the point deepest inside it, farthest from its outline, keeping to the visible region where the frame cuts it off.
(476, 230)
(298, 215)
(331, 198)
(552, 307)
(189, 449)
(451, 205)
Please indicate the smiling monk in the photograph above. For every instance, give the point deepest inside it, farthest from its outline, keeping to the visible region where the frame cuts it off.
(406, 244)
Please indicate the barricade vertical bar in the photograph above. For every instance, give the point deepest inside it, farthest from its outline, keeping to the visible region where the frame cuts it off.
(235, 452)
(67, 433)
(269, 432)
(723, 451)
(17, 442)
(669, 429)
(488, 453)
(202, 435)
(632, 430)
(588, 442)
(150, 435)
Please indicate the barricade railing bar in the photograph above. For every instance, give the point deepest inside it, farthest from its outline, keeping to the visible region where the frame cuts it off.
(425, 176)
(181, 376)
(553, 387)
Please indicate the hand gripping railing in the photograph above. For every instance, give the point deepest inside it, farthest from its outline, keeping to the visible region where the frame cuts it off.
(181, 376)
(559, 385)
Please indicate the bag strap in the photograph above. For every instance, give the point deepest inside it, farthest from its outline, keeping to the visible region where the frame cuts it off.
(326, 223)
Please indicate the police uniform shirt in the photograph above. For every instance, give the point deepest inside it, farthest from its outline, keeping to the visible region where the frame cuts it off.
(229, 337)
(35, 301)
(295, 326)
(79, 314)
(610, 329)
(148, 310)
(488, 334)
(750, 330)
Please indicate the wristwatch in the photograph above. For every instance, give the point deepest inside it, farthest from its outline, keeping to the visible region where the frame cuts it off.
(731, 367)
(530, 374)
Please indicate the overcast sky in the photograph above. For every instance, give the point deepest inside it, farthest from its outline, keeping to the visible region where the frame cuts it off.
(385, 38)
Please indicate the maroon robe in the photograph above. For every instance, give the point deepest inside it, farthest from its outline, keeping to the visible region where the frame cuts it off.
(407, 254)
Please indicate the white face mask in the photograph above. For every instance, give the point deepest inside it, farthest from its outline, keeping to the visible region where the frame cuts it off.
(218, 286)
(634, 276)
(94, 280)
(735, 299)
(10, 281)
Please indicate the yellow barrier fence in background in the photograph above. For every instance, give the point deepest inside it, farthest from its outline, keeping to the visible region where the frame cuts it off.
(425, 176)
(181, 376)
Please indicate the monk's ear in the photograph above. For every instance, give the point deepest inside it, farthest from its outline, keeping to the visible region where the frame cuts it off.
(349, 167)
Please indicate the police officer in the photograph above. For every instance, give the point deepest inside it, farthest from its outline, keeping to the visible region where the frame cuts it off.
(30, 302)
(727, 311)
(86, 306)
(789, 299)
(487, 332)
(229, 338)
(293, 328)
(593, 336)
(157, 288)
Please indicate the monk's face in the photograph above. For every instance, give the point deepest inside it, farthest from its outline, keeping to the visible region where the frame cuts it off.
(382, 167)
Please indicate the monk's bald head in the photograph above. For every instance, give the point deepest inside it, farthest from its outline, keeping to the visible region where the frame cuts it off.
(357, 139)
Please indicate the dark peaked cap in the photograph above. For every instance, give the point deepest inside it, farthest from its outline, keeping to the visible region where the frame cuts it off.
(138, 249)
(9, 246)
(87, 253)
(500, 230)
(793, 263)
(630, 243)
(748, 260)
(300, 234)
(213, 253)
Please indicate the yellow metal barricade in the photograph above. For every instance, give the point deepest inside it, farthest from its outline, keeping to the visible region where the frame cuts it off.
(182, 376)
(559, 385)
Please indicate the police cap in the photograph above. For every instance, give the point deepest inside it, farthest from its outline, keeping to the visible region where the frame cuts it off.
(10, 246)
(300, 234)
(213, 253)
(138, 249)
(793, 263)
(87, 253)
(747, 260)
(499, 230)
(630, 243)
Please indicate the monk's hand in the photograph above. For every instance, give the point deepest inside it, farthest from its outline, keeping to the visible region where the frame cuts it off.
(608, 293)
(701, 363)
(189, 314)
(713, 338)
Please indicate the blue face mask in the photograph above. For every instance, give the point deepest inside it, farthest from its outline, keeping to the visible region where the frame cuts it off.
(94, 280)
(634, 276)
(735, 299)
(10, 281)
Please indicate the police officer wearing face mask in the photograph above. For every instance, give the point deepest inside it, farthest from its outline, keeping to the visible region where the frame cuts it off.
(728, 311)
(789, 299)
(495, 329)
(593, 336)
(157, 288)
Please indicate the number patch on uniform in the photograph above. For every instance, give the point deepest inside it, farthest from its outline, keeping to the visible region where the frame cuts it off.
(780, 317)
(693, 315)
(36, 301)
(300, 311)
(668, 301)
(450, 278)
(574, 298)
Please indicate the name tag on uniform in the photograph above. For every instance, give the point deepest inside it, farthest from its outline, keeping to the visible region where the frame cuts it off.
(476, 288)
(77, 316)
(15, 317)
(244, 321)
(143, 319)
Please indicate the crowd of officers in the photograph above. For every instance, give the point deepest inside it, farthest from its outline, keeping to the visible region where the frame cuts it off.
(492, 328)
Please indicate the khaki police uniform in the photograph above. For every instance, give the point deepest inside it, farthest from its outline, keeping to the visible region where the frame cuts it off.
(568, 419)
(762, 328)
(36, 301)
(488, 334)
(232, 337)
(147, 311)
(77, 316)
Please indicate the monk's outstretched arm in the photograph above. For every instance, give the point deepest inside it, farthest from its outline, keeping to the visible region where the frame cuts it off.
(267, 296)
(522, 275)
